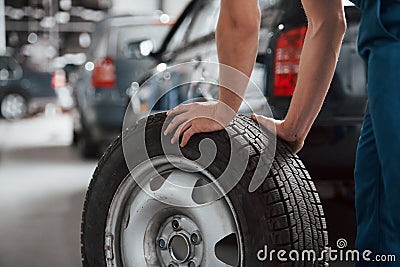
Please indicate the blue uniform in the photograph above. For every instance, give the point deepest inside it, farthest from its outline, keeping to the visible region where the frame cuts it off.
(377, 174)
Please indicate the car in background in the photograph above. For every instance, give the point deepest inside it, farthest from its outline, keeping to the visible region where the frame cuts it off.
(100, 87)
(23, 89)
(330, 148)
(63, 90)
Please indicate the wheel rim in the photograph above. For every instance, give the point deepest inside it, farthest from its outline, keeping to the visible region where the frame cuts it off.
(143, 231)
(13, 106)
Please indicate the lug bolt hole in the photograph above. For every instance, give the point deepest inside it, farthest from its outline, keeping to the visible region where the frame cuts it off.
(162, 243)
(175, 224)
(195, 238)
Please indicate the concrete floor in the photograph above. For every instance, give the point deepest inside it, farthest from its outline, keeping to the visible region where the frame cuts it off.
(42, 186)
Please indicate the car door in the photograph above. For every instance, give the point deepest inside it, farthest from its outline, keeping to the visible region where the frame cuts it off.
(183, 55)
(84, 92)
(10, 72)
(254, 100)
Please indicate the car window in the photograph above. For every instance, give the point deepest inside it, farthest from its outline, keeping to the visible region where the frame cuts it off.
(177, 39)
(98, 49)
(205, 21)
(101, 50)
(128, 34)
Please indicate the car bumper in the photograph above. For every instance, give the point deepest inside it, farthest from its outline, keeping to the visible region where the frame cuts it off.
(39, 104)
(107, 121)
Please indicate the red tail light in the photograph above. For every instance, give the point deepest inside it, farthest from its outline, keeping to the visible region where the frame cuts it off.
(58, 80)
(103, 76)
(287, 58)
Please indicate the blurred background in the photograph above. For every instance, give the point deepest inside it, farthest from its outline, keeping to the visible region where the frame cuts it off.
(68, 69)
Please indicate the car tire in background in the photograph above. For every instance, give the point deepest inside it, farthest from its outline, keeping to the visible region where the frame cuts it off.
(87, 148)
(13, 106)
(82, 138)
(124, 226)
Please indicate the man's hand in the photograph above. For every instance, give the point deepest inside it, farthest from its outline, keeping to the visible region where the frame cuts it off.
(199, 117)
(282, 131)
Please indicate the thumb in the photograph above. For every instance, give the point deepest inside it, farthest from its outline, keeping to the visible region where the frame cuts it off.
(258, 118)
(266, 122)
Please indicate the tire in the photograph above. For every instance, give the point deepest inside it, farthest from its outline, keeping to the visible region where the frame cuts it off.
(87, 148)
(284, 213)
(75, 138)
(13, 106)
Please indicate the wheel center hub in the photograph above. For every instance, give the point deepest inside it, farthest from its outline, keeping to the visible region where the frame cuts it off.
(179, 248)
(179, 242)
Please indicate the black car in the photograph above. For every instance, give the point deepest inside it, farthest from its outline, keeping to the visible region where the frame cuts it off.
(329, 151)
(23, 89)
(100, 88)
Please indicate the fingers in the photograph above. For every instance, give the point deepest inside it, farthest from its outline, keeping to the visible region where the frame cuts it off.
(268, 123)
(178, 110)
(277, 127)
(181, 129)
(254, 117)
(258, 118)
(187, 135)
(190, 119)
(178, 120)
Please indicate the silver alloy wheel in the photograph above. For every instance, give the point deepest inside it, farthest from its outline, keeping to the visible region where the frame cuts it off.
(143, 231)
(13, 106)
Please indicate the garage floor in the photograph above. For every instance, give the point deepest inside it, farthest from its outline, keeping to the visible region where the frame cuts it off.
(42, 186)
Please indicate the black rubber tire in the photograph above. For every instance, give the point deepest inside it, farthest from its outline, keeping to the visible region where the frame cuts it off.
(284, 213)
(75, 138)
(87, 148)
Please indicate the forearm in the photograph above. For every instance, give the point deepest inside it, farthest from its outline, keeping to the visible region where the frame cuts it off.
(317, 66)
(237, 43)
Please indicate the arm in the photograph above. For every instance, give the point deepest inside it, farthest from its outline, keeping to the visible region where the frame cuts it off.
(237, 43)
(326, 28)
